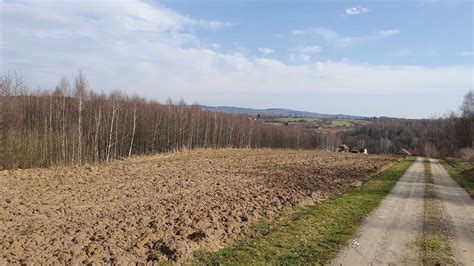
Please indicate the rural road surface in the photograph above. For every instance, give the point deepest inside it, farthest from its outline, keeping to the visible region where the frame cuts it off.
(389, 234)
(459, 208)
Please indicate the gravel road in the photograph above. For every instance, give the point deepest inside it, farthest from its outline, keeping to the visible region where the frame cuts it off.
(388, 236)
(459, 208)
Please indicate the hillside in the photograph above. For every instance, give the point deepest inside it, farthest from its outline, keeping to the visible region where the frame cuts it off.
(279, 112)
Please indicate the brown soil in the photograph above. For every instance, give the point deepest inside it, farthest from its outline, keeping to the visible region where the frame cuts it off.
(162, 207)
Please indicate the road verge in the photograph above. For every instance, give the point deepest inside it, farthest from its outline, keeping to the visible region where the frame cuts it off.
(462, 172)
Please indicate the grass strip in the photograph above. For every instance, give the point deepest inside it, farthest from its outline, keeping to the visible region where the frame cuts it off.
(435, 243)
(462, 172)
(427, 167)
(310, 234)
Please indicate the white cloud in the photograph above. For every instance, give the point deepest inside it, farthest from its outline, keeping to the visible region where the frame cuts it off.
(335, 38)
(309, 49)
(326, 34)
(302, 55)
(216, 46)
(156, 52)
(266, 51)
(356, 10)
(391, 32)
(299, 58)
(466, 53)
(214, 25)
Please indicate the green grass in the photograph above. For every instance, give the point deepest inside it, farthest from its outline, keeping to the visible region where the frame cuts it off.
(288, 119)
(311, 234)
(328, 123)
(348, 123)
(435, 243)
(462, 172)
(427, 166)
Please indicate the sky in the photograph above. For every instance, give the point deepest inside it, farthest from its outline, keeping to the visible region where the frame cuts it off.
(410, 59)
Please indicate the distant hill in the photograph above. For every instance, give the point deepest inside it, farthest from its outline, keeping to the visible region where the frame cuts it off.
(279, 112)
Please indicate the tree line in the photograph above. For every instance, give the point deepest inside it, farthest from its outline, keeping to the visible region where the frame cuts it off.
(72, 124)
(451, 135)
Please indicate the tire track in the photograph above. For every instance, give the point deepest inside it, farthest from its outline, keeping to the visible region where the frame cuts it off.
(459, 207)
(389, 234)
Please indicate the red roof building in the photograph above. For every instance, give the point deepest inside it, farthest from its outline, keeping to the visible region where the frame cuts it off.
(406, 151)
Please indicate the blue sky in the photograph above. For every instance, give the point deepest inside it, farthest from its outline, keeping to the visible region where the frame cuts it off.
(395, 58)
(432, 33)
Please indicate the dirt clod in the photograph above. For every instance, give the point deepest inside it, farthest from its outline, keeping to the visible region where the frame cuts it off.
(196, 236)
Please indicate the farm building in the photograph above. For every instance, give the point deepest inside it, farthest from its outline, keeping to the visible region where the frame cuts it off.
(343, 148)
(406, 151)
(354, 149)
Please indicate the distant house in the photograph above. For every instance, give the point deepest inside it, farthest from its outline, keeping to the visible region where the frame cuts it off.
(312, 126)
(354, 150)
(406, 151)
(343, 148)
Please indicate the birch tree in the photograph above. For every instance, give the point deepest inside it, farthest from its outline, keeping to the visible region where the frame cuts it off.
(80, 89)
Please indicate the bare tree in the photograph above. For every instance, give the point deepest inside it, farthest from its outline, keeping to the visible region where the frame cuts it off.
(63, 126)
(113, 101)
(134, 128)
(80, 90)
(467, 106)
(467, 109)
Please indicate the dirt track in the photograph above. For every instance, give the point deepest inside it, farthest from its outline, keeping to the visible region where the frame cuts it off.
(389, 233)
(459, 208)
(165, 207)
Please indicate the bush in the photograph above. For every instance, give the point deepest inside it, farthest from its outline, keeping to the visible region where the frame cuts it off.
(466, 154)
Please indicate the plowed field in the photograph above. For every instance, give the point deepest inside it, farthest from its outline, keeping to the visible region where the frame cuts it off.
(163, 207)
